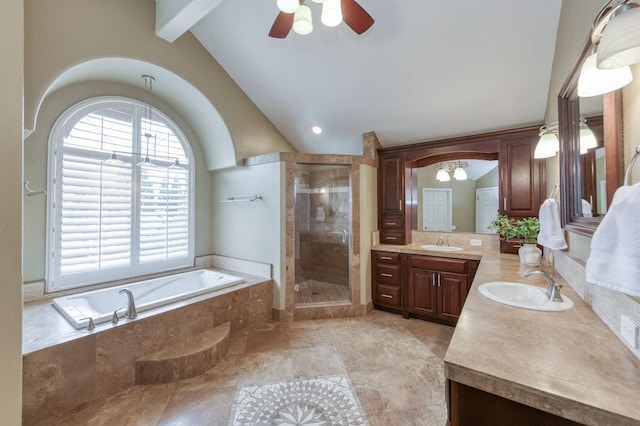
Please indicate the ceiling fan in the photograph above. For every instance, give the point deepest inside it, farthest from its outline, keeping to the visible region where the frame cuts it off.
(351, 13)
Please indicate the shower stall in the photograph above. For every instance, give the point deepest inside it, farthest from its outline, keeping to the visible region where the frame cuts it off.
(322, 233)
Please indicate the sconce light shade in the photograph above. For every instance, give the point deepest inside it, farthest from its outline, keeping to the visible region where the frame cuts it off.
(587, 139)
(547, 146)
(287, 6)
(442, 175)
(620, 42)
(594, 81)
(302, 22)
(331, 13)
(459, 173)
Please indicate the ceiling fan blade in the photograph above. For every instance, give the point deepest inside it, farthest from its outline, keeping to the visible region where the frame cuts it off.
(355, 16)
(282, 25)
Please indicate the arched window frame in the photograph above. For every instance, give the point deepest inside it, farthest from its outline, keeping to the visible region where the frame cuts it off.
(57, 281)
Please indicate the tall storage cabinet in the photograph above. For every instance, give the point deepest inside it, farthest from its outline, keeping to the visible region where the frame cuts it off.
(392, 221)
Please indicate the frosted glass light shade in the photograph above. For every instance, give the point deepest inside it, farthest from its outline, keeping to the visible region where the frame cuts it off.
(594, 81)
(587, 139)
(443, 175)
(620, 42)
(548, 145)
(287, 6)
(302, 22)
(459, 173)
(331, 13)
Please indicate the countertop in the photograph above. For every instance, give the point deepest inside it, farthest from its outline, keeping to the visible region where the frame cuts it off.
(415, 248)
(566, 363)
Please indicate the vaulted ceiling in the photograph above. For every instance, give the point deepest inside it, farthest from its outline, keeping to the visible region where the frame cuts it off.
(426, 70)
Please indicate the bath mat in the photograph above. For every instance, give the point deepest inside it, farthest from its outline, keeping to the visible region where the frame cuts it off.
(323, 401)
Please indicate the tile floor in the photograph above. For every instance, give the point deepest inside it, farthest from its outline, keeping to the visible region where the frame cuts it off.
(393, 365)
(314, 291)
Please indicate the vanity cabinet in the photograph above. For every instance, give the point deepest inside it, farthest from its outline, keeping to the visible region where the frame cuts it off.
(437, 287)
(391, 198)
(426, 287)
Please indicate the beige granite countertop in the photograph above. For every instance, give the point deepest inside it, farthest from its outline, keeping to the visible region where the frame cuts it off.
(566, 363)
(416, 248)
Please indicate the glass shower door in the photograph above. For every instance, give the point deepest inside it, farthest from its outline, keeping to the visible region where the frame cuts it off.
(322, 233)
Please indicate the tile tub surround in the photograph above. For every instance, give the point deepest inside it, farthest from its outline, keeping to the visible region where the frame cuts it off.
(64, 367)
(394, 367)
(567, 363)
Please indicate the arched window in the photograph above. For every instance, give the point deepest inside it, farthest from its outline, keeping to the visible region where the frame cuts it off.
(120, 198)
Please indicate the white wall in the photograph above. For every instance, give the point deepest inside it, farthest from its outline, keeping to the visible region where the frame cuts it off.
(11, 46)
(252, 230)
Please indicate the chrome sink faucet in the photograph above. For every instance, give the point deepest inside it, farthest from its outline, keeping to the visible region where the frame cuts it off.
(442, 241)
(553, 288)
(131, 307)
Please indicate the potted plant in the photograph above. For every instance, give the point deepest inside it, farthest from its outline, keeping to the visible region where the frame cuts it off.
(525, 230)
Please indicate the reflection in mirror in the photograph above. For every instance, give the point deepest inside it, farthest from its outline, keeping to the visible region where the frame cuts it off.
(460, 205)
(592, 189)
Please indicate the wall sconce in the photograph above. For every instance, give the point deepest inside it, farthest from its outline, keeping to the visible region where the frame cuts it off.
(548, 144)
(587, 138)
(444, 170)
(616, 38)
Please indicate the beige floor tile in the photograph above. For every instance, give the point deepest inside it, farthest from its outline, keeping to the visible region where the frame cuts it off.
(394, 365)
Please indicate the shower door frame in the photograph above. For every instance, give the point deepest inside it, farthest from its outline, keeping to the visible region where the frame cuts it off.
(354, 232)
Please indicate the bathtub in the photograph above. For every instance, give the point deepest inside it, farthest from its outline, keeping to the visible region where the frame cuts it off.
(149, 294)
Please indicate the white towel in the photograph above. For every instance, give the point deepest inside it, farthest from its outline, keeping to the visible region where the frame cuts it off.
(551, 234)
(321, 215)
(614, 261)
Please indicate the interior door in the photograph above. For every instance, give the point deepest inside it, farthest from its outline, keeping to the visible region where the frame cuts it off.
(486, 208)
(436, 209)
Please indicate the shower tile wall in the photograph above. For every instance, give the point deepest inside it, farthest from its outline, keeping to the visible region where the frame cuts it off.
(323, 203)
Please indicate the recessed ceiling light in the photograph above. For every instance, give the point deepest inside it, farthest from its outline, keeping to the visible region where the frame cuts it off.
(316, 129)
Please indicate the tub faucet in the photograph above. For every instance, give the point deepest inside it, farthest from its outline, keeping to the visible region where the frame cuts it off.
(553, 289)
(131, 307)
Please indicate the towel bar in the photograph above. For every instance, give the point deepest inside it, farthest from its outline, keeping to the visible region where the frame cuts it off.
(627, 173)
(242, 198)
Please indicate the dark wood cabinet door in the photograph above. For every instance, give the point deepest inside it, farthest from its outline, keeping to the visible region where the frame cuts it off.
(452, 292)
(422, 292)
(522, 178)
(391, 185)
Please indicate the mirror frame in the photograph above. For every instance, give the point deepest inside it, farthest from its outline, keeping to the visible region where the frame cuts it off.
(570, 171)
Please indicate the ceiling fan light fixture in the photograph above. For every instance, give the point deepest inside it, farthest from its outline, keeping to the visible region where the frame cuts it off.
(302, 22)
(331, 13)
(620, 42)
(593, 81)
(287, 6)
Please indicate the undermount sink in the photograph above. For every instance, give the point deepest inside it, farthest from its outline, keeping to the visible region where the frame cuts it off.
(523, 295)
(440, 248)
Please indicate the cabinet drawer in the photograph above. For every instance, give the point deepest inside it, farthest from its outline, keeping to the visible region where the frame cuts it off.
(439, 264)
(391, 222)
(386, 257)
(392, 237)
(388, 274)
(389, 296)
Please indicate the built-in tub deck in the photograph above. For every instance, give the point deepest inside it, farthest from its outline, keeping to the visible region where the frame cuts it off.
(64, 367)
(43, 326)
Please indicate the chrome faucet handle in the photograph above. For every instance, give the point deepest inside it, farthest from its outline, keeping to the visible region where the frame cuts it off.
(131, 307)
(115, 318)
(553, 288)
(91, 325)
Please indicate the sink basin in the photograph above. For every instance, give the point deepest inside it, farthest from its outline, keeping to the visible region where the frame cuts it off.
(523, 295)
(440, 248)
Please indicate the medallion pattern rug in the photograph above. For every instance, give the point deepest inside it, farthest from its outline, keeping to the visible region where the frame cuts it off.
(322, 401)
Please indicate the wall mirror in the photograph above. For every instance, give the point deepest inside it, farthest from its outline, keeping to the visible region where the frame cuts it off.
(588, 177)
(460, 195)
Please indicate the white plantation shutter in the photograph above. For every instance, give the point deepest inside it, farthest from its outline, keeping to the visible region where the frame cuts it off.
(110, 220)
